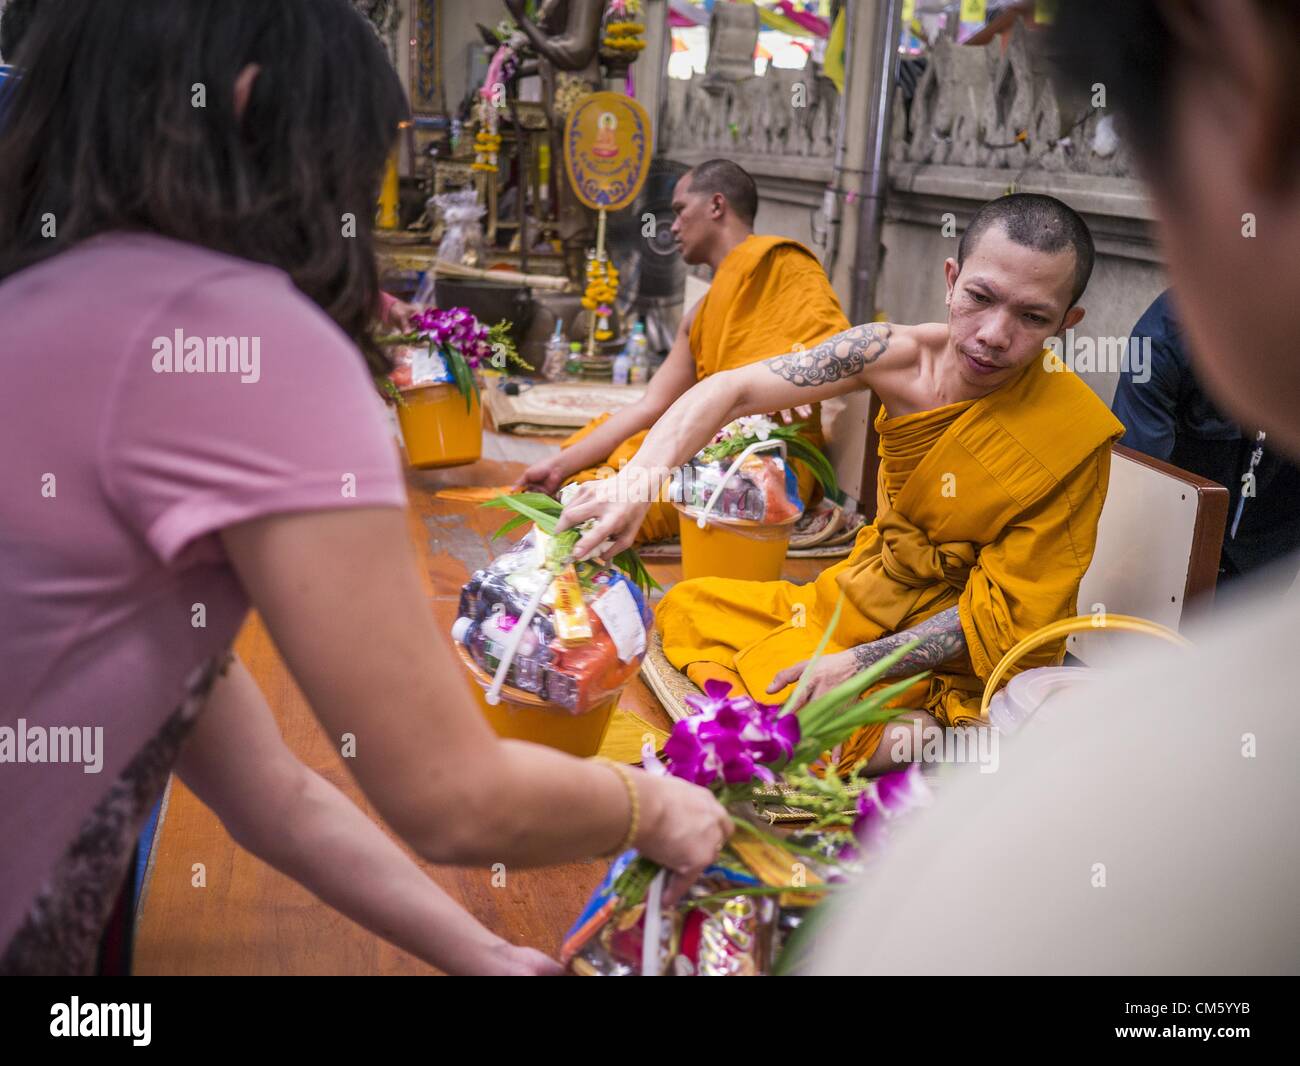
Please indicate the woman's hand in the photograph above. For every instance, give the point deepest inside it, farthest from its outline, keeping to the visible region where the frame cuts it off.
(684, 829)
(618, 504)
(503, 959)
(830, 670)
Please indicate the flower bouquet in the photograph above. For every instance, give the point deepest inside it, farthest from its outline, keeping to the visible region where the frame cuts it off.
(434, 373)
(750, 911)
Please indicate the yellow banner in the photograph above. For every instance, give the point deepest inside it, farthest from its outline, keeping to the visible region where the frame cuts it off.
(974, 11)
(607, 147)
(909, 10)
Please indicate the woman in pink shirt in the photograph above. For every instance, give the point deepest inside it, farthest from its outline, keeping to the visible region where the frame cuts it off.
(185, 179)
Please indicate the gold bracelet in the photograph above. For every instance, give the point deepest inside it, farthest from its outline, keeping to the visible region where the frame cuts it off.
(634, 801)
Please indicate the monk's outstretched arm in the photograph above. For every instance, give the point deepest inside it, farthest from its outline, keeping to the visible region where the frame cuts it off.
(672, 379)
(940, 638)
(845, 363)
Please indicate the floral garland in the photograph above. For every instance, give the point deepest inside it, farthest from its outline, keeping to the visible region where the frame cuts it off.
(624, 32)
(569, 93)
(602, 289)
(487, 141)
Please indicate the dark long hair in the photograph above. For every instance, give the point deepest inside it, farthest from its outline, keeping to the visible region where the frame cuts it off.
(104, 131)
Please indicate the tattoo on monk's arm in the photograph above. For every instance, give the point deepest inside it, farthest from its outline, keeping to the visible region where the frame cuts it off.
(941, 638)
(841, 356)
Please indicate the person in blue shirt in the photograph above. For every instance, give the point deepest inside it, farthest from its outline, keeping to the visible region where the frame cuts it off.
(1170, 417)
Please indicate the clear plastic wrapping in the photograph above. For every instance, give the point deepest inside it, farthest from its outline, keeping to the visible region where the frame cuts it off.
(762, 492)
(584, 643)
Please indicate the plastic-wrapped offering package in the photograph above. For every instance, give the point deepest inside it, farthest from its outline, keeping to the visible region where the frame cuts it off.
(584, 643)
(415, 365)
(763, 489)
(710, 934)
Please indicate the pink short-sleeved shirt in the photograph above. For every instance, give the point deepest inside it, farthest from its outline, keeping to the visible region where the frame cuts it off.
(126, 448)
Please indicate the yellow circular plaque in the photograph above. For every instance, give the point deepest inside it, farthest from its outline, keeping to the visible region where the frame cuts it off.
(607, 145)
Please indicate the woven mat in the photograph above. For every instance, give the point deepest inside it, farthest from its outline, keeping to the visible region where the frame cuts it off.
(670, 686)
(557, 406)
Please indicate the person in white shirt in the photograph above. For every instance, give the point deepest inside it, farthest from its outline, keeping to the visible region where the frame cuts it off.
(1148, 824)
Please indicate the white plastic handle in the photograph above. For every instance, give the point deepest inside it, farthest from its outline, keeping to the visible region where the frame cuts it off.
(516, 635)
(651, 937)
(757, 446)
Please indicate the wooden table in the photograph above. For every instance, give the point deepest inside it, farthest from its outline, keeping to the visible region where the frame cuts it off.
(250, 919)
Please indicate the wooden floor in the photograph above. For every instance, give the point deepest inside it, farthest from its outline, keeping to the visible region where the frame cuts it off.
(249, 919)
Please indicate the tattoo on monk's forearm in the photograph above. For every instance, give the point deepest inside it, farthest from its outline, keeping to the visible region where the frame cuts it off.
(842, 356)
(941, 638)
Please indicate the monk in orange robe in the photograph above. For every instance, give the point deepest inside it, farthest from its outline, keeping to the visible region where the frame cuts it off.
(994, 466)
(769, 295)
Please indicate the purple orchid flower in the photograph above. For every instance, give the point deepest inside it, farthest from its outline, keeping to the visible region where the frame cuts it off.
(730, 739)
(888, 798)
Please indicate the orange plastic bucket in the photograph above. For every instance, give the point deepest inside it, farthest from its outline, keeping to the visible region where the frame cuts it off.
(744, 550)
(437, 429)
(524, 716)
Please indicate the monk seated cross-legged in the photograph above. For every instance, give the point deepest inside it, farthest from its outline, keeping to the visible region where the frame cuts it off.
(769, 296)
(994, 465)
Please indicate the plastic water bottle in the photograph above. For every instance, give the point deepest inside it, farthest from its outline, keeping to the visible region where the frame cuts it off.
(639, 344)
(557, 354)
(573, 368)
(623, 364)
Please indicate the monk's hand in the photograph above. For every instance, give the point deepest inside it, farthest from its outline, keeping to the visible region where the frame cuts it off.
(544, 476)
(827, 672)
(617, 504)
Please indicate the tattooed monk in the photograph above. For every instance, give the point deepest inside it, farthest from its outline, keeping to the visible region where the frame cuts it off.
(994, 467)
(769, 295)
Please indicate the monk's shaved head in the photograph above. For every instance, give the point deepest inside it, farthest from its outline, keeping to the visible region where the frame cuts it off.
(1043, 223)
(733, 182)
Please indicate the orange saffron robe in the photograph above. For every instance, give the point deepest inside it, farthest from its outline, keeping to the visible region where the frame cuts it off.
(989, 505)
(769, 295)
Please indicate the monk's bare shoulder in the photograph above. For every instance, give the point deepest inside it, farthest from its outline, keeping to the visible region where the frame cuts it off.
(873, 347)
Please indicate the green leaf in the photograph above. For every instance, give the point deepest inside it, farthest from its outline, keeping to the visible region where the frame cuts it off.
(544, 512)
(821, 467)
(511, 524)
(545, 522)
(630, 563)
(798, 945)
(870, 711)
(537, 500)
(827, 704)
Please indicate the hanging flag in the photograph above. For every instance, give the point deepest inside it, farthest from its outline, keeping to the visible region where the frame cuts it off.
(833, 65)
(812, 24)
(975, 11)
